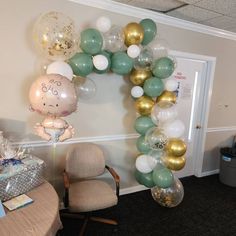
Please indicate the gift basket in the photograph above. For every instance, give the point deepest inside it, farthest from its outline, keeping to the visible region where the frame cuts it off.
(19, 172)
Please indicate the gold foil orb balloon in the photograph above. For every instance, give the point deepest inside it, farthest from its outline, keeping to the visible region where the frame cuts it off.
(134, 34)
(144, 105)
(167, 96)
(169, 197)
(55, 36)
(138, 77)
(175, 147)
(174, 163)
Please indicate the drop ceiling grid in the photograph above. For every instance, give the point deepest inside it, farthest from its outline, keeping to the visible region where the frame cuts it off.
(193, 13)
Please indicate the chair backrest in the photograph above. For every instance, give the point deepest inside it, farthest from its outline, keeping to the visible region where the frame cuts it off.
(85, 160)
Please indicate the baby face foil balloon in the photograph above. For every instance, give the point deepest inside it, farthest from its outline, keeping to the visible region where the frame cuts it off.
(53, 95)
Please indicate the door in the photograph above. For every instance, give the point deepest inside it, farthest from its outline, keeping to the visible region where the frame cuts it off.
(194, 74)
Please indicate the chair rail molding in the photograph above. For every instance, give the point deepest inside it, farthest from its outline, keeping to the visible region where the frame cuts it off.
(124, 9)
(104, 138)
(221, 129)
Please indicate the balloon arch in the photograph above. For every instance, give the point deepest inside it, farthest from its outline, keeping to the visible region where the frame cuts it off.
(133, 50)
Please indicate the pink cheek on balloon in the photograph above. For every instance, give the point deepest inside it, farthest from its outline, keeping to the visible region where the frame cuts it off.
(65, 113)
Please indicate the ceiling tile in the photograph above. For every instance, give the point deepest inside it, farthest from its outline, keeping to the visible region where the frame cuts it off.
(222, 22)
(193, 13)
(225, 7)
(160, 5)
(190, 1)
(123, 1)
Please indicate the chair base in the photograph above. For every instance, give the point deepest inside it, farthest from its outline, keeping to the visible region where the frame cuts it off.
(86, 219)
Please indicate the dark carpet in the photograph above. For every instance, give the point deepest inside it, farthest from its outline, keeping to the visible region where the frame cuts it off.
(208, 209)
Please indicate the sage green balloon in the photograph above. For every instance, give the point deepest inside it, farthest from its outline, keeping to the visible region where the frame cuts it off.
(142, 145)
(150, 30)
(162, 177)
(108, 56)
(144, 179)
(91, 41)
(163, 67)
(142, 124)
(121, 63)
(81, 64)
(153, 87)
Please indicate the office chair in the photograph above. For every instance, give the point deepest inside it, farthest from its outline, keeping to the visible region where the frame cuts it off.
(83, 192)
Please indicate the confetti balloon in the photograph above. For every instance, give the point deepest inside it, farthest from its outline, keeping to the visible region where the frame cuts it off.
(156, 138)
(55, 36)
(114, 39)
(169, 197)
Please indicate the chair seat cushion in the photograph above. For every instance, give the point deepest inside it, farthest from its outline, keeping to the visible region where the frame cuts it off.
(91, 195)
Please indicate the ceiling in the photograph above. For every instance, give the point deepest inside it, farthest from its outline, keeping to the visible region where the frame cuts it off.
(215, 13)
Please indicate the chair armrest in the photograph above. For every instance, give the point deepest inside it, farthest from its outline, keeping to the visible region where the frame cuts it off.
(66, 186)
(66, 180)
(116, 177)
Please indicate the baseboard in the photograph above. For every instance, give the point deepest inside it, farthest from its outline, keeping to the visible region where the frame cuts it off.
(132, 189)
(211, 172)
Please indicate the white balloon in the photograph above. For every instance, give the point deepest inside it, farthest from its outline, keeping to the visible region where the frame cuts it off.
(133, 51)
(174, 129)
(61, 68)
(164, 114)
(100, 62)
(103, 24)
(137, 92)
(145, 163)
(171, 85)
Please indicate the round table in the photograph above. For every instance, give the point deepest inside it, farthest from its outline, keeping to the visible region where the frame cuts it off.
(40, 218)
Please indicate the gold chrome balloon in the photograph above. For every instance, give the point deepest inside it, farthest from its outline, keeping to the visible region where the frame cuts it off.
(174, 163)
(138, 77)
(167, 96)
(144, 105)
(134, 34)
(175, 147)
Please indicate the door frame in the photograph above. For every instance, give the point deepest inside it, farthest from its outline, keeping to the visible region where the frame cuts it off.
(203, 105)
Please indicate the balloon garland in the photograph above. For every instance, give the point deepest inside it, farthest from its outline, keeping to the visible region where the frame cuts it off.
(133, 50)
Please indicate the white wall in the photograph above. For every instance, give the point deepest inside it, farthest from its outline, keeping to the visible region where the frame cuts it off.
(107, 118)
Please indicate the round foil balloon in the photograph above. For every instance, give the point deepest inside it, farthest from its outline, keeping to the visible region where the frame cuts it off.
(144, 105)
(134, 33)
(173, 162)
(176, 147)
(169, 197)
(53, 96)
(167, 96)
(55, 36)
(138, 77)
